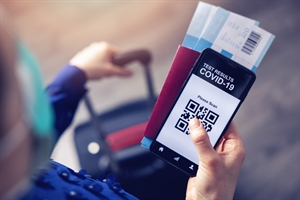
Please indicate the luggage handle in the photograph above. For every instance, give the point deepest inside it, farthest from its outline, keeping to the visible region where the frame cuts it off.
(138, 55)
(144, 57)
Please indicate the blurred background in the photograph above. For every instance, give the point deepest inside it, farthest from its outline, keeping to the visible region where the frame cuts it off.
(269, 118)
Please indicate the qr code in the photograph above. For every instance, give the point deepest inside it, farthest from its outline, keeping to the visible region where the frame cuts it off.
(192, 110)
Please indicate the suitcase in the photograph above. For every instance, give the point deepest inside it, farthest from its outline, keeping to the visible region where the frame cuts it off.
(110, 143)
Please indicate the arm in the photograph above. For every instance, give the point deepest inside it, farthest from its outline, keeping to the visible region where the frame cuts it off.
(64, 94)
(67, 89)
(219, 169)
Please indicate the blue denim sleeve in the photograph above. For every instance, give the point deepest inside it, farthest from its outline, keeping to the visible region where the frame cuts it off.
(64, 93)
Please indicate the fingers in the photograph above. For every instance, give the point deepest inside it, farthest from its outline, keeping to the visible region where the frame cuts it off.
(104, 46)
(119, 71)
(232, 143)
(232, 132)
(112, 48)
(218, 172)
(108, 51)
(96, 61)
(233, 138)
(201, 140)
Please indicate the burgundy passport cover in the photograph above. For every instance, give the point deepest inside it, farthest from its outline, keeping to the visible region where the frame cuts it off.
(183, 62)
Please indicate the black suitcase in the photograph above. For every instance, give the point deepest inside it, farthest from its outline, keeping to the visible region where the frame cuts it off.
(110, 143)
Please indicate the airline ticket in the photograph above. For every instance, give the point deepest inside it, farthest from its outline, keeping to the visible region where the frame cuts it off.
(236, 37)
(232, 35)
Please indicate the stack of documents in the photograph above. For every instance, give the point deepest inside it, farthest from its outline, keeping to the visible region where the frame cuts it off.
(236, 37)
(232, 35)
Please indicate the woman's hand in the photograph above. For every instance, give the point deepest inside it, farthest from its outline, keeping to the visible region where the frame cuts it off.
(218, 169)
(96, 61)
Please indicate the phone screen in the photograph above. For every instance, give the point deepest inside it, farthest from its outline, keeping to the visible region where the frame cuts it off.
(213, 93)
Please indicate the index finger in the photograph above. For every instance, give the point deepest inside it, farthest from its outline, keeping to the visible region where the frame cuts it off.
(232, 132)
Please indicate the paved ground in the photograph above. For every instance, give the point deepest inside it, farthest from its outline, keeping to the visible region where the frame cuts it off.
(269, 118)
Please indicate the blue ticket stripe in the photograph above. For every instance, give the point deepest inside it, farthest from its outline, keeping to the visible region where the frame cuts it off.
(189, 41)
(254, 68)
(146, 142)
(197, 24)
(264, 51)
(202, 44)
(226, 53)
(213, 29)
(199, 19)
(216, 24)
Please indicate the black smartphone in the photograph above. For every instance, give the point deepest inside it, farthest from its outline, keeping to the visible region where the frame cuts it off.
(213, 92)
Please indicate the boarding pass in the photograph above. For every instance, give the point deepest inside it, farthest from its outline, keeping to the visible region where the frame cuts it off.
(237, 37)
(232, 35)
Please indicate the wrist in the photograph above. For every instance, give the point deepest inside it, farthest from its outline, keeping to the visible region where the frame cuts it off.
(212, 193)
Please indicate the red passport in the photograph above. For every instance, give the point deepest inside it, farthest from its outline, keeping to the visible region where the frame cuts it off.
(182, 64)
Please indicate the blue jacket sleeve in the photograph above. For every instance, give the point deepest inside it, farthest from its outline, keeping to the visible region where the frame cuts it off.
(60, 182)
(64, 93)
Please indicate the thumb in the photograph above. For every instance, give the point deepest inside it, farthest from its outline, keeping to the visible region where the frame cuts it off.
(200, 140)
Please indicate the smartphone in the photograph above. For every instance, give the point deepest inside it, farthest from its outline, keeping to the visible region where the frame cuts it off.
(213, 92)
